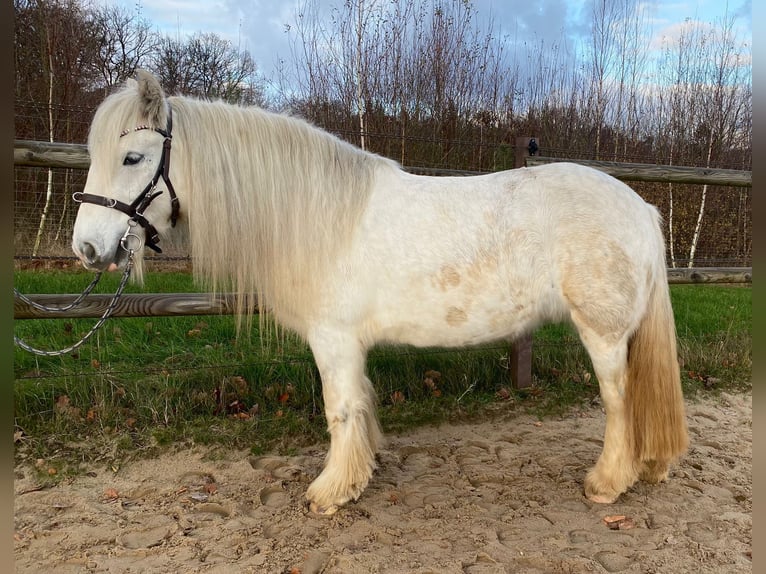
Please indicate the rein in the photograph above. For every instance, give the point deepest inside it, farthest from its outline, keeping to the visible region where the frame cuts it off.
(107, 313)
(135, 210)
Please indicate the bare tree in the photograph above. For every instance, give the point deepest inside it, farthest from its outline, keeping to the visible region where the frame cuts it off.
(125, 42)
(603, 53)
(702, 101)
(55, 47)
(722, 104)
(399, 65)
(209, 66)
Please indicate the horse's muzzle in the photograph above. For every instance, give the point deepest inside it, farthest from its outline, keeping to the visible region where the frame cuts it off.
(93, 260)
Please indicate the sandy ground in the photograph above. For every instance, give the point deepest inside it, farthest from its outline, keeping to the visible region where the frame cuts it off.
(498, 496)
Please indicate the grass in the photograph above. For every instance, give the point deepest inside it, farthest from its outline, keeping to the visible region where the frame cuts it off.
(143, 384)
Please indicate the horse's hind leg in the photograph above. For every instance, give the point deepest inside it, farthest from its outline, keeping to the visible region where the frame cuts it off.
(615, 471)
(351, 421)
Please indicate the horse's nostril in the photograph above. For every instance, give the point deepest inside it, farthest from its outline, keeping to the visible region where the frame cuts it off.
(88, 252)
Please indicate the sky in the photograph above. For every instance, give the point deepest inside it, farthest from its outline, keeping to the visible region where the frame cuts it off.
(259, 25)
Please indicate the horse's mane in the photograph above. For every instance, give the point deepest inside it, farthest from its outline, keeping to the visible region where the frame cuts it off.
(271, 200)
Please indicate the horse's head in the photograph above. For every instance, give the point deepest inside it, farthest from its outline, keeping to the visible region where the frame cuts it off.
(122, 209)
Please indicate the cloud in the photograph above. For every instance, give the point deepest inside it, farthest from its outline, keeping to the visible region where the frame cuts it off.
(259, 26)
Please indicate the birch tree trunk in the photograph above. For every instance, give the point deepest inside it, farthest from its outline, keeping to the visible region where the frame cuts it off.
(49, 186)
(701, 212)
(670, 216)
(67, 175)
(359, 69)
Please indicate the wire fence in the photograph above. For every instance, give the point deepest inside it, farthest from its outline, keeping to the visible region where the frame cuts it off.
(724, 231)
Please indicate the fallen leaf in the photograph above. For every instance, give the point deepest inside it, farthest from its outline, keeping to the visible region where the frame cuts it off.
(63, 406)
(111, 494)
(211, 488)
(619, 522)
(235, 407)
(614, 518)
(62, 403)
(503, 394)
(431, 374)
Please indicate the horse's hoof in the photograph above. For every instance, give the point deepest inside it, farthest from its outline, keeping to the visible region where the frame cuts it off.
(598, 492)
(323, 511)
(602, 499)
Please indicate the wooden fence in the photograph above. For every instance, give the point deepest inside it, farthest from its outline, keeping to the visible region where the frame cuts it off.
(75, 156)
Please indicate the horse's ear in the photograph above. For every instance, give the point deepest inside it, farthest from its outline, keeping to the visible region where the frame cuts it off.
(152, 98)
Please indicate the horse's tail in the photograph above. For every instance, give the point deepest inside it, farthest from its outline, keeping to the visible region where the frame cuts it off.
(654, 401)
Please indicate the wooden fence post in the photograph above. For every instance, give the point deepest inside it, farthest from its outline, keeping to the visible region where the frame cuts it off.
(520, 363)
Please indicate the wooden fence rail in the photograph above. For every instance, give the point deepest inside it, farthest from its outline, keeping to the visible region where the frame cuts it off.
(48, 154)
(178, 304)
(75, 156)
(660, 173)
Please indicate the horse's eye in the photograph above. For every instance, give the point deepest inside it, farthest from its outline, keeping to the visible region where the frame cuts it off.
(132, 159)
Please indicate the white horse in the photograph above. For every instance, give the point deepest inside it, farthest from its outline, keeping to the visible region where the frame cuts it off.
(348, 250)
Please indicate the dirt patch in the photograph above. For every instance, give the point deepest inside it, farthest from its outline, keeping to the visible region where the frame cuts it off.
(498, 496)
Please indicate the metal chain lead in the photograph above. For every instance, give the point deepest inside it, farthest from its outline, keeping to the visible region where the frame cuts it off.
(72, 305)
(107, 313)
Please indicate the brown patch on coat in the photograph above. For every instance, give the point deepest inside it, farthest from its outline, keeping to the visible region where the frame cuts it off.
(448, 278)
(601, 288)
(456, 316)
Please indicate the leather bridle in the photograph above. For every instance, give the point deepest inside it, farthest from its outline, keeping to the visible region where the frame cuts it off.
(135, 210)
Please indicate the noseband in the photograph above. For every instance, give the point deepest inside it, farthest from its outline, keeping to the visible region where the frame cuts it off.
(135, 210)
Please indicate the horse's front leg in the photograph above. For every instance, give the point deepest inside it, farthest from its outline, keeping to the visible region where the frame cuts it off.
(350, 408)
